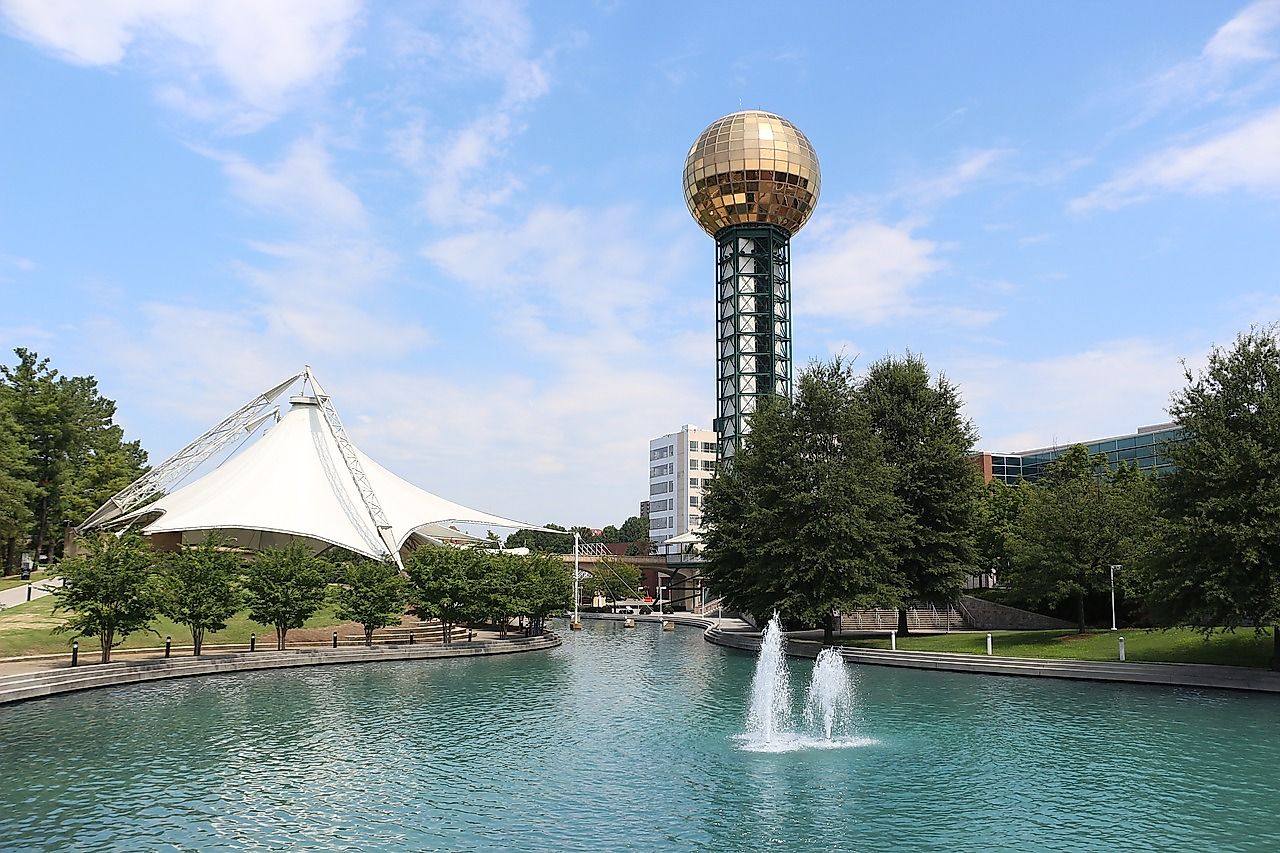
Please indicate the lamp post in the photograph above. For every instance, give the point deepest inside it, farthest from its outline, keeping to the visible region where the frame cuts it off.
(575, 625)
(1114, 566)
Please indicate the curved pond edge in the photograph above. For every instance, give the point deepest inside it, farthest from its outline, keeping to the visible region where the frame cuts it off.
(735, 634)
(38, 685)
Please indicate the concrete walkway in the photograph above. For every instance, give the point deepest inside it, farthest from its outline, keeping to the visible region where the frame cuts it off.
(66, 679)
(39, 589)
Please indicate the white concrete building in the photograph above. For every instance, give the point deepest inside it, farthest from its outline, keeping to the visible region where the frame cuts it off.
(680, 464)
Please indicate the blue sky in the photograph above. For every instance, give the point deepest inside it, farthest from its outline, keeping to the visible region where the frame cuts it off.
(468, 217)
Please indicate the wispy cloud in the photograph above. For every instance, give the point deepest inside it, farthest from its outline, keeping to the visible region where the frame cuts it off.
(301, 187)
(236, 62)
(1245, 157)
(1249, 42)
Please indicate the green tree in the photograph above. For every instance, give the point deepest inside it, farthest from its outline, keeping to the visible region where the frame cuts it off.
(285, 587)
(634, 529)
(444, 586)
(77, 455)
(198, 588)
(1218, 559)
(542, 541)
(109, 592)
(928, 442)
(373, 594)
(16, 486)
(614, 577)
(996, 524)
(544, 585)
(805, 520)
(1079, 520)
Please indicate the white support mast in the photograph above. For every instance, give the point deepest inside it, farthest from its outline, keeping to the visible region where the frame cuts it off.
(355, 469)
(173, 470)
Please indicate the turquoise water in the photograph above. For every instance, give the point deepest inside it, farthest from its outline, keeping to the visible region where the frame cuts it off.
(623, 740)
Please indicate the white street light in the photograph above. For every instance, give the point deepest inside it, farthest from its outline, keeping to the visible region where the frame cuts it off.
(1113, 595)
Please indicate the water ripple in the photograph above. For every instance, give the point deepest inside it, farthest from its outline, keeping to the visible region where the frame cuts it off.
(624, 740)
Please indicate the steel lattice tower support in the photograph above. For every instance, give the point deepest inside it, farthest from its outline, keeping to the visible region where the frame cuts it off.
(753, 325)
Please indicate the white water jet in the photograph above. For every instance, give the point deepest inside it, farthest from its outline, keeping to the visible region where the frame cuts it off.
(770, 713)
(829, 699)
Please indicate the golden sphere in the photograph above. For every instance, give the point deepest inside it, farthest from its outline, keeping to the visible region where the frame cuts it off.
(752, 167)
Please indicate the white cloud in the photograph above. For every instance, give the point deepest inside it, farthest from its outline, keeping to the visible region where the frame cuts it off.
(490, 42)
(1246, 157)
(1247, 41)
(867, 272)
(301, 187)
(239, 61)
(1108, 389)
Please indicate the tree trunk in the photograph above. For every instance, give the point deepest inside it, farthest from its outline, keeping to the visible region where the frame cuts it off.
(197, 641)
(828, 629)
(281, 630)
(1275, 648)
(1080, 610)
(106, 640)
(368, 635)
(9, 547)
(903, 628)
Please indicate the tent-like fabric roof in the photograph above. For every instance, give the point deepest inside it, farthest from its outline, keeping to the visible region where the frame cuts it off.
(294, 483)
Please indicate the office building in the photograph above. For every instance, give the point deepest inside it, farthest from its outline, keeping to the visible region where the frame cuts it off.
(680, 465)
(1145, 447)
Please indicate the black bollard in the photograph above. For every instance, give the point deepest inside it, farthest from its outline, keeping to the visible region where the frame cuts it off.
(411, 638)
(471, 635)
(253, 641)
(75, 652)
(335, 639)
(28, 592)
(168, 644)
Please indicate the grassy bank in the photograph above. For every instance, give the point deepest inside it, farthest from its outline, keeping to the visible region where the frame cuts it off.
(27, 629)
(16, 580)
(1242, 648)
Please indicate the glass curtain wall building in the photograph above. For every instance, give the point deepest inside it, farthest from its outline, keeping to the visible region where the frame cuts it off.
(1145, 448)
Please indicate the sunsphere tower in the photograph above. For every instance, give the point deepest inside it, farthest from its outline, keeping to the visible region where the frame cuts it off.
(751, 181)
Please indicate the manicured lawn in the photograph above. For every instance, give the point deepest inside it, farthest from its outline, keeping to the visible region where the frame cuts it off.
(1242, 648)
(27, 629)
(16, 580)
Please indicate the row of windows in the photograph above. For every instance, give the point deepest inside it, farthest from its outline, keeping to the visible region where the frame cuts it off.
(662, 452)
(662, 470)
(661, 506)
(661, 523)
(694, 482)
(707, 447)
(661, 488)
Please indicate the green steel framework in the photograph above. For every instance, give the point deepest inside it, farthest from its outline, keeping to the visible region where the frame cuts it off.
(753, 325)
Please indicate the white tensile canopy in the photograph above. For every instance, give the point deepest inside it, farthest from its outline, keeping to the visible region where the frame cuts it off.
(300, 480)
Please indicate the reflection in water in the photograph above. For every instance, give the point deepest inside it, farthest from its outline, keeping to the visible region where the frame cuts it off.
(624, 740)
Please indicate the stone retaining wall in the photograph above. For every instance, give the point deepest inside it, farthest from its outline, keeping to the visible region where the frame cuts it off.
(16, 688)
(990, 616)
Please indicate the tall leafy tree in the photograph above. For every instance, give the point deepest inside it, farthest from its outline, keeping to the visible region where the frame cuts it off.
(444, 585)
(16, 486)
(1079, 520)
(1219, 560)
(285, 587)
(544, 586)
(541, 541)
(199, 588)
(110, 592)
(928, 442)
(35, 402)
(373, 593)
(805, 520)
(996, 524)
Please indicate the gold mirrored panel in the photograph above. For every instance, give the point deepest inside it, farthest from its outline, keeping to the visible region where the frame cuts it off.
(752, 167)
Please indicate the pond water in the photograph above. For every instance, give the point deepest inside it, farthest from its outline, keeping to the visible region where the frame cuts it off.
(626, 740)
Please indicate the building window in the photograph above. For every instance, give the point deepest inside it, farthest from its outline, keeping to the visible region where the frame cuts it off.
(693, 482)
(708, 465)
(693, 500)
(660, 488)
(694, 521)
(661, 470)
(708, 447)
(693, 447)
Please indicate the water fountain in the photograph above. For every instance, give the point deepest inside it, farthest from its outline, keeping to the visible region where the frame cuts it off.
(828, 701)
(770, 713)
(830, 696)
